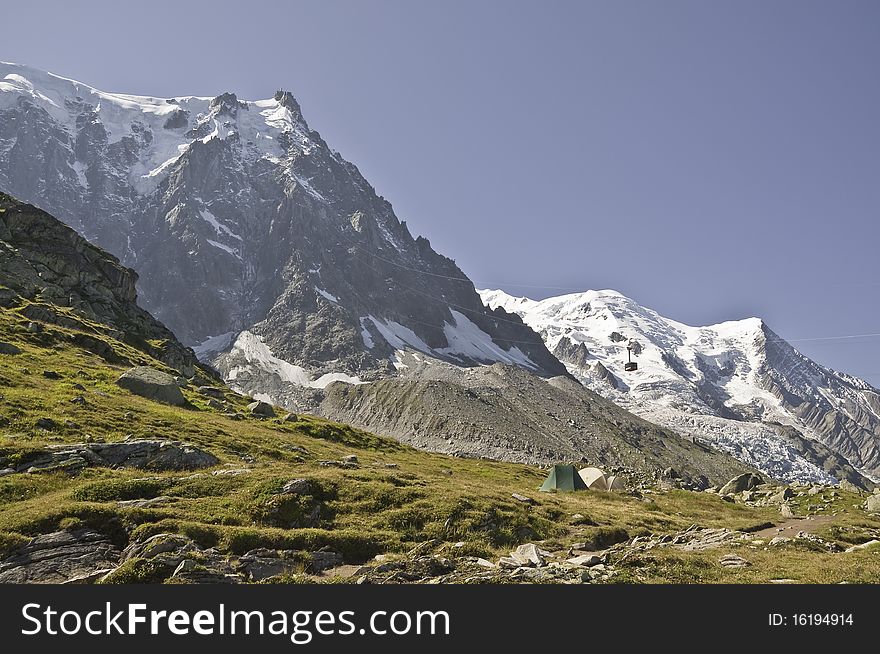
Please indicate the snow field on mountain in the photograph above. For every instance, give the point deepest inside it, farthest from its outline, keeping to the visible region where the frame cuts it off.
(256, 353)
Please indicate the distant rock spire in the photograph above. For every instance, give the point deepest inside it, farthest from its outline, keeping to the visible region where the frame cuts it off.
(286, 99)
(228, 103)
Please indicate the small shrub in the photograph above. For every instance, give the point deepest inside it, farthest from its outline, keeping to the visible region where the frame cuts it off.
(583, 520)
(353, 546)
(21, 456)
(137, 571)
(849, 535)
(70, 524)
(410, 520)
(602, 537)
(240, 541)
(203, 487)
(121, 489)
(289, 511)
(345, 435)
(471, 548)
(10, 541)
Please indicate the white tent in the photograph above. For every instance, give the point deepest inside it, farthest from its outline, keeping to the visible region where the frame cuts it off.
(596, 479)
(615, 483)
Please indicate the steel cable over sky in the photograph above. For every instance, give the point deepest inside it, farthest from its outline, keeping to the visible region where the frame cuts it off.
(375, 255)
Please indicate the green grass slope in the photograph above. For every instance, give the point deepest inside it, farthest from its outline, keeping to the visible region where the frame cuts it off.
(397, 499)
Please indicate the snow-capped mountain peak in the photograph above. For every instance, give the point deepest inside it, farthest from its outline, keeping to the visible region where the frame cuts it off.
(739, 372)
(669, 354)
(160, 129)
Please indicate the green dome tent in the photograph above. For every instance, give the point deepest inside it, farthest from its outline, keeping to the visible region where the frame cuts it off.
(563, 477)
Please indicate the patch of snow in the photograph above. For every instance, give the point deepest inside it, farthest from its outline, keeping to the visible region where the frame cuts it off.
(387, 235)
(327, 296)
(150, 179)
(466, 339)
(233, 251)
(265, 397)
(366, 336)
(306, 185)
(251, 347)
(219, 227)
(397, 360)
(400, 337)
(325, 380)
(80, 169)
(213, 344)
(256, 353)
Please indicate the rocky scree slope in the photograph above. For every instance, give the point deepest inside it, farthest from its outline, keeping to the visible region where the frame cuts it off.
(503, 412)
(292, 270)
(736, 384)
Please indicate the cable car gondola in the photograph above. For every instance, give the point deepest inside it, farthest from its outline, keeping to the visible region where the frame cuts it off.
(630, 365)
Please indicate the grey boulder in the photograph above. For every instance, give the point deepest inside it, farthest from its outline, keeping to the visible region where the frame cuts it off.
(261, 409)
(297, 487)
(152, 384)
(740, 483)
(9, 348)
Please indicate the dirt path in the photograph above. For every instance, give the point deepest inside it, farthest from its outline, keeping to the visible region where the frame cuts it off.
(792, 526)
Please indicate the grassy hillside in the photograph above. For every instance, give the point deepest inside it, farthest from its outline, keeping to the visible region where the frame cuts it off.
(396, 499)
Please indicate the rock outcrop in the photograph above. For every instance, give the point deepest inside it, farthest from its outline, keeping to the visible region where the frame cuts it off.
(741, 483)
(79, 555)
(57, 277)
(143, 454)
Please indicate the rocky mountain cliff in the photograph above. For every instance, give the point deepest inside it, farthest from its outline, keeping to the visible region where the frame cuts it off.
(737, 384)
(255, 242)
(57, 277)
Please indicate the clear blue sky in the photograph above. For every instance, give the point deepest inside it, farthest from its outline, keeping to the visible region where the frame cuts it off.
(713, 160)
